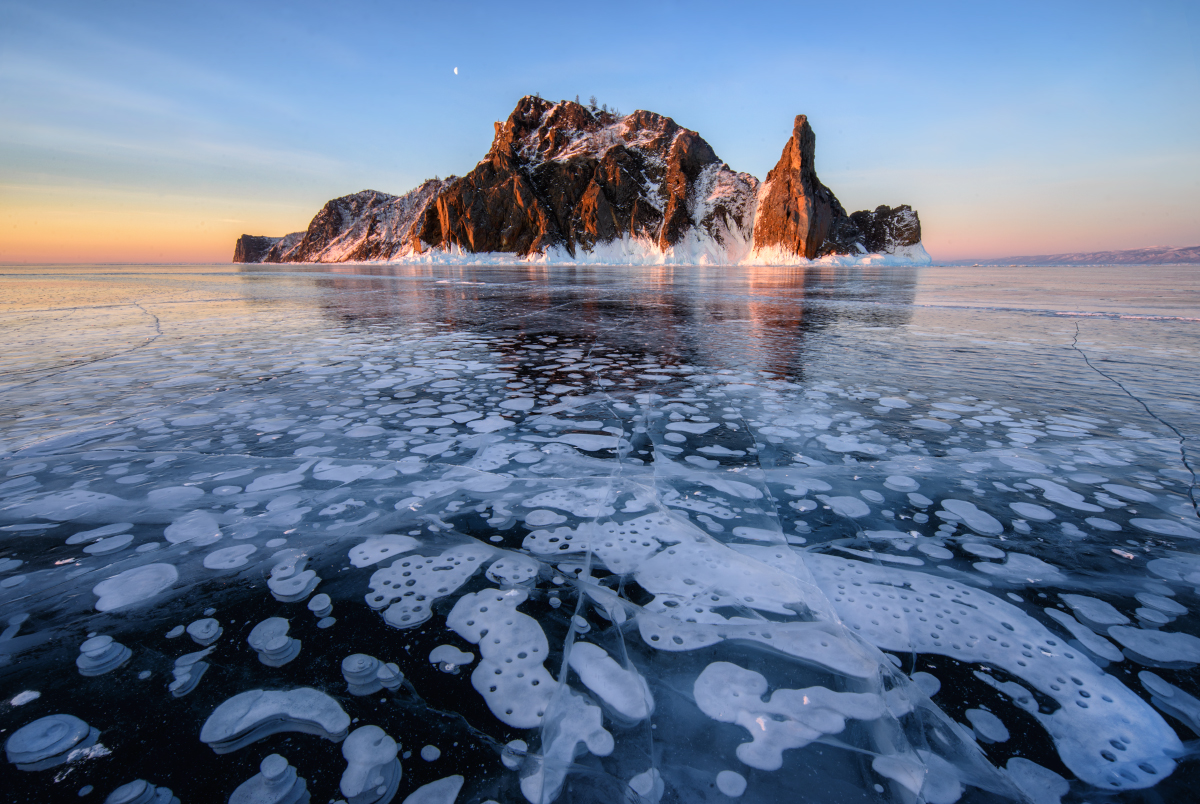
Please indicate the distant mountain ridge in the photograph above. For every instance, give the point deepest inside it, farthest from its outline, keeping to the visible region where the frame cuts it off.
(1154, 255)
(563, 182)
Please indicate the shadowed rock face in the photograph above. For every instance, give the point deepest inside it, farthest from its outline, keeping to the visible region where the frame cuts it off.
(887, 229)
(564, 175)
(252, 248)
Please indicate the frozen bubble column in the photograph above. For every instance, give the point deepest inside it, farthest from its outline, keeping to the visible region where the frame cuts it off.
(48, 742)
(373, 772)
(290, 582)
(205, 632)
(188, 671)
(275, 648)
(366, 675)
(100, 655)
(320, 605)
(255, 714)
(139, 791)
(275, 783)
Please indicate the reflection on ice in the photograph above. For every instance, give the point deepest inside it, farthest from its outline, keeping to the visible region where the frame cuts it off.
(574, 564)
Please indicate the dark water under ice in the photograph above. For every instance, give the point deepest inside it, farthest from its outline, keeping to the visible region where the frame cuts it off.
(823, 534)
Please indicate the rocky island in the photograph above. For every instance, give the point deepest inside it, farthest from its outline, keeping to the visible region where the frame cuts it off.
(564, 182)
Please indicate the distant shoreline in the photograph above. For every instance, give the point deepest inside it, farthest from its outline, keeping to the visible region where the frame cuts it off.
(1154, 255)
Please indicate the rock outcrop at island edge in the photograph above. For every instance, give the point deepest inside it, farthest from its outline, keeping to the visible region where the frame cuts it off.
(566, 183)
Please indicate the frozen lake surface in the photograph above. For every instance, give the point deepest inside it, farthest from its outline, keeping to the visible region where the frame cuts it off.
(679, 534)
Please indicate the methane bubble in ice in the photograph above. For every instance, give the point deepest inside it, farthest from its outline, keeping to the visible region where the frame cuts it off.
(227, 558)
(510, 675)
(648, 785)
(1093, 612)
(139, 791)
(198, 528)
(903, 611)
(98, 533)
(575, 721)
(255, 714)
(900, 483)
(366, 675)
(275, 783)
(731, 783)
(1101, 649)
(290, 581)
(205, 632)
(927, 683)
(785, 719)
(134, 586)
(378, 548)
(623, 690)
(187, 672)
(443, 791)
(110, 545)
(513, 754)
(448, 658)
(1031, 511)
(320, 605)
(979, 521)
(373, 772)
(430, 753)
(1042, 785)
(100, 655)
(406, 590)
(1172, 700)
(987, 726)
(48, 741)
(1158, 648)
(513, 569)
(275, 648)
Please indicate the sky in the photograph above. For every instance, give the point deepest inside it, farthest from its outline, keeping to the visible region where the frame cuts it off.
(160, 132)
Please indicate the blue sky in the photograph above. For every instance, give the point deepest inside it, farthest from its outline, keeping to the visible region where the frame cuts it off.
(146, 131)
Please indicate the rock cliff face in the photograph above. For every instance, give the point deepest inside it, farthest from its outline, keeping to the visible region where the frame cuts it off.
(252, 248)
(565, 180)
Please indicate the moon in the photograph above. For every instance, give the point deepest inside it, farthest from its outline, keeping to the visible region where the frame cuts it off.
(456, 71)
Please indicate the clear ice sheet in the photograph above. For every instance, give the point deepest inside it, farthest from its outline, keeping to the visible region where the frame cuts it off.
(600, 534)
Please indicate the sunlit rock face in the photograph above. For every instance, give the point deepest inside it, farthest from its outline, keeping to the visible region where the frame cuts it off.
(560, 174)
(566, 181)
(796, 212)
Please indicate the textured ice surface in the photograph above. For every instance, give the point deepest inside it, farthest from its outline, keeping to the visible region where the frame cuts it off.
(903, 610)
(577, 494)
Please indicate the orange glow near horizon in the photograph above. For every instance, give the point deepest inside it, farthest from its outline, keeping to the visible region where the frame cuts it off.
(47, 225)
(53, 225)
